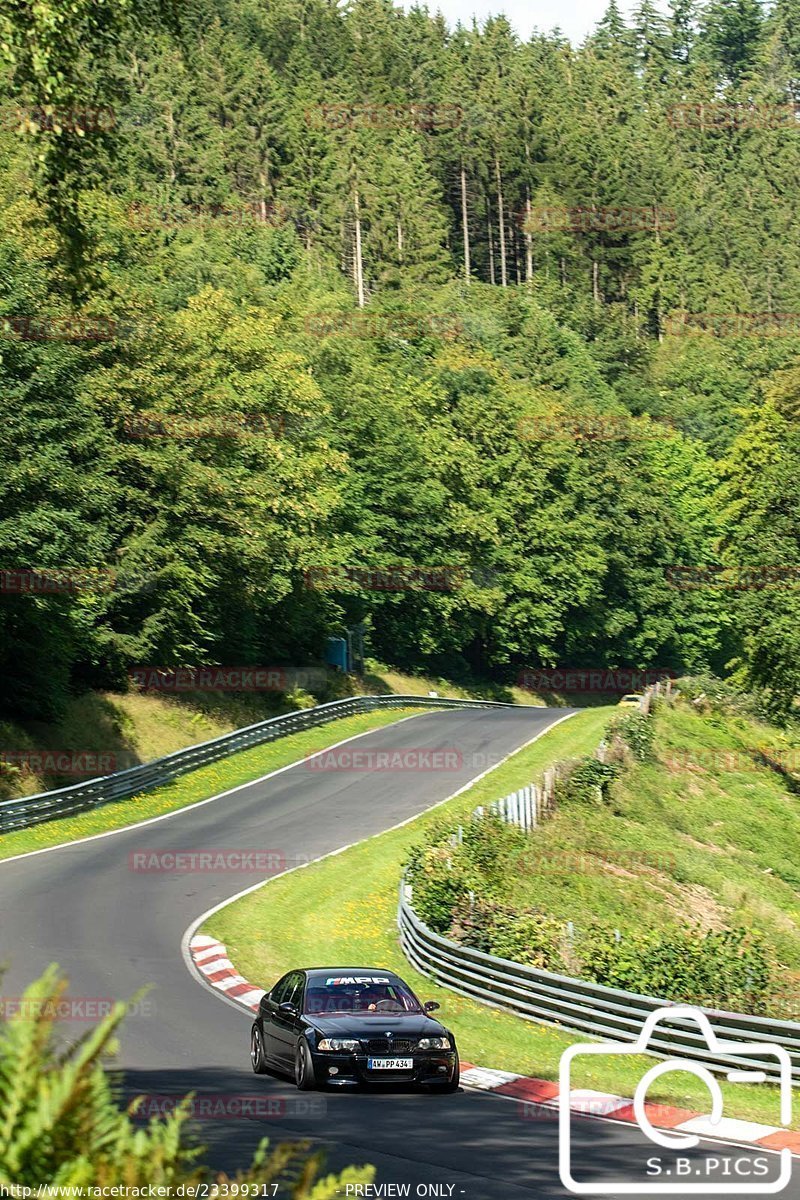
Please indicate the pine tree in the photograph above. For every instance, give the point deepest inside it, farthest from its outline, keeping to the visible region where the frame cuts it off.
(732, 36)
(786, 24)
(682, 30)
(651, 41)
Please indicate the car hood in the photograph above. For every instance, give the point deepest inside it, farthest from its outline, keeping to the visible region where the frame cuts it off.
(402, 1025)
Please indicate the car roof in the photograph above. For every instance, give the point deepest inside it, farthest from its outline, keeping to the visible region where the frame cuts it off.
(316, 973)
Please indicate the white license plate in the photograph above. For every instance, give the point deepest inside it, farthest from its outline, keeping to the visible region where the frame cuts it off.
(390, 1064)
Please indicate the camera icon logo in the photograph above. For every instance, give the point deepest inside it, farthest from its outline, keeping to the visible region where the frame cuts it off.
(717, 1047)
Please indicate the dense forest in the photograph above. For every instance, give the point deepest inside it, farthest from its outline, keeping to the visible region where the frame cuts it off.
(319, 313)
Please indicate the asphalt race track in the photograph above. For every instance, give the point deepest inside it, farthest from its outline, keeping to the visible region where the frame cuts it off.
(113, 929)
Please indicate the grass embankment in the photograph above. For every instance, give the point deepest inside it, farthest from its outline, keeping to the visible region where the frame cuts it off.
(135, 727)
(721, 829)
(703, 836)
(130, 727)
(380, 678)
(197, 785)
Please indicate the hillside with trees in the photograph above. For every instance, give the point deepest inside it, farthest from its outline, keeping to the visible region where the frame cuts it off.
(353, 302)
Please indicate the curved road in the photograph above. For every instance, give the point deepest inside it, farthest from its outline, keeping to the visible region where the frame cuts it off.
(114, 929)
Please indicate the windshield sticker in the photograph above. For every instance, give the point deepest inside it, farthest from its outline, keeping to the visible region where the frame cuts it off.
(356, 979)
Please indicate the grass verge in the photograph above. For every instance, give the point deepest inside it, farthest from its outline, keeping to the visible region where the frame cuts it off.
(197, 785)
(701, 836)
(381, 677)
(129, 728)
(343, 909)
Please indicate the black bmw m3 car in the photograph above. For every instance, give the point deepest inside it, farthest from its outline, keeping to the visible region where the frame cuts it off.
(344, 1026)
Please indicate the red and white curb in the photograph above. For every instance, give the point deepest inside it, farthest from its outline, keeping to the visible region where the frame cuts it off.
(540, 1097)
(211, 959)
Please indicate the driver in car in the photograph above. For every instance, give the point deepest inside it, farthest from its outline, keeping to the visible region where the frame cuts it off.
(378, 999)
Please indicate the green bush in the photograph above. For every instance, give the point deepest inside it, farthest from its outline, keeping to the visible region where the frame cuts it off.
(527, 937)
(460, 883)
(472, 923)
(717, 969)
(440, 878)
(487, 844)
(60, 1124)
(586, 781)
(636, 731)
(531, 938)
(446, 870)
(708, 693)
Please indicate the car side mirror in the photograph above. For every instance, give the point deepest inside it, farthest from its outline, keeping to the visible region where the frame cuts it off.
(431, 1005)
(286, 1007)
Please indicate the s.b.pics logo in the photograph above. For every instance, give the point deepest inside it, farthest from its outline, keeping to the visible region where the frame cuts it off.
(683, 1166)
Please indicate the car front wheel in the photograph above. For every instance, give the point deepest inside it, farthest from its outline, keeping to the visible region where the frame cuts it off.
(257, 1057)
(304, 1067)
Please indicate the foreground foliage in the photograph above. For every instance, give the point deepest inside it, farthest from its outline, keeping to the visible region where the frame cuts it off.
(61, 1122)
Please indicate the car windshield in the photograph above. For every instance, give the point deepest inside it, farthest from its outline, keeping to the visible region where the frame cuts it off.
(353, 995)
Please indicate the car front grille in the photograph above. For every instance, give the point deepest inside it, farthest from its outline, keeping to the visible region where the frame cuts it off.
(390, 1045)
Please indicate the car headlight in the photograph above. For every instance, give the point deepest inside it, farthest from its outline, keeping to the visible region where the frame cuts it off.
(338, 1044)
(440, 1043)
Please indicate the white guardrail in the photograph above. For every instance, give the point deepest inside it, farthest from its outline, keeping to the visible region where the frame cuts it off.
(585, 1007)
(26, 811)
(579, 1005)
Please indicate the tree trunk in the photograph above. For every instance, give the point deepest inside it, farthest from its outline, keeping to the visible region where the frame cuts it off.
(491, 245)
(596, 281)
(501, 223)
(528, 238)
(359, 266)
(171, 141)
(464, 224)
